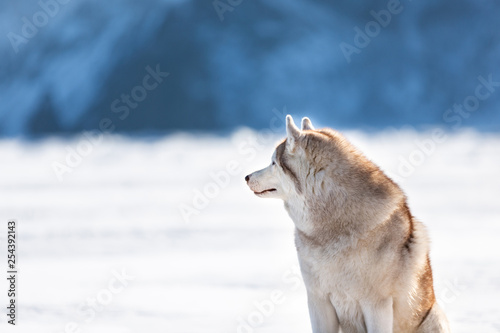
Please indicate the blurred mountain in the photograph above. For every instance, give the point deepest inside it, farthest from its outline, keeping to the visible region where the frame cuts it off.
(213, 65)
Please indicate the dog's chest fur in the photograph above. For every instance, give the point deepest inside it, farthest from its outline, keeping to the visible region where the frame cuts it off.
(338, 273)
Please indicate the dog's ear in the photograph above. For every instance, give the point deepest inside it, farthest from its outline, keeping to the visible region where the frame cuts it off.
(306, 124)
(292, 133)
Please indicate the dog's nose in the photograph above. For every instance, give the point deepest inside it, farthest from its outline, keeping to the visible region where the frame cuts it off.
(247, 178)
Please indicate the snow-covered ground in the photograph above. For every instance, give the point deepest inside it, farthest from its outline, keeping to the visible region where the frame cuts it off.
(228, 264)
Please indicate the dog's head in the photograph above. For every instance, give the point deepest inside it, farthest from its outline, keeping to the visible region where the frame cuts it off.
(320, 172)
(283, 178)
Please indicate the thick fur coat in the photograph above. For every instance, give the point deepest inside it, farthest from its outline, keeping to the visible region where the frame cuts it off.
(364, 258)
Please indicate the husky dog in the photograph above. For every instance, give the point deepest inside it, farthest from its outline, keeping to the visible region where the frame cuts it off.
(364, 258)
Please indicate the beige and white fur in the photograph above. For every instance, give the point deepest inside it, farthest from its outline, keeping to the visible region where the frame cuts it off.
(364, 258)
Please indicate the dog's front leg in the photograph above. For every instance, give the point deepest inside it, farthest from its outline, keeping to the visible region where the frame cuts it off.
(323, 315)
(378, 316)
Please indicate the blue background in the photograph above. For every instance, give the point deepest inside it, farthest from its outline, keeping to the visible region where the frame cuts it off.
(232, 68)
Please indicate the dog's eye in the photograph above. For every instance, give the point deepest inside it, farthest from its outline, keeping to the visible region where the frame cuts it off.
(274, 163)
